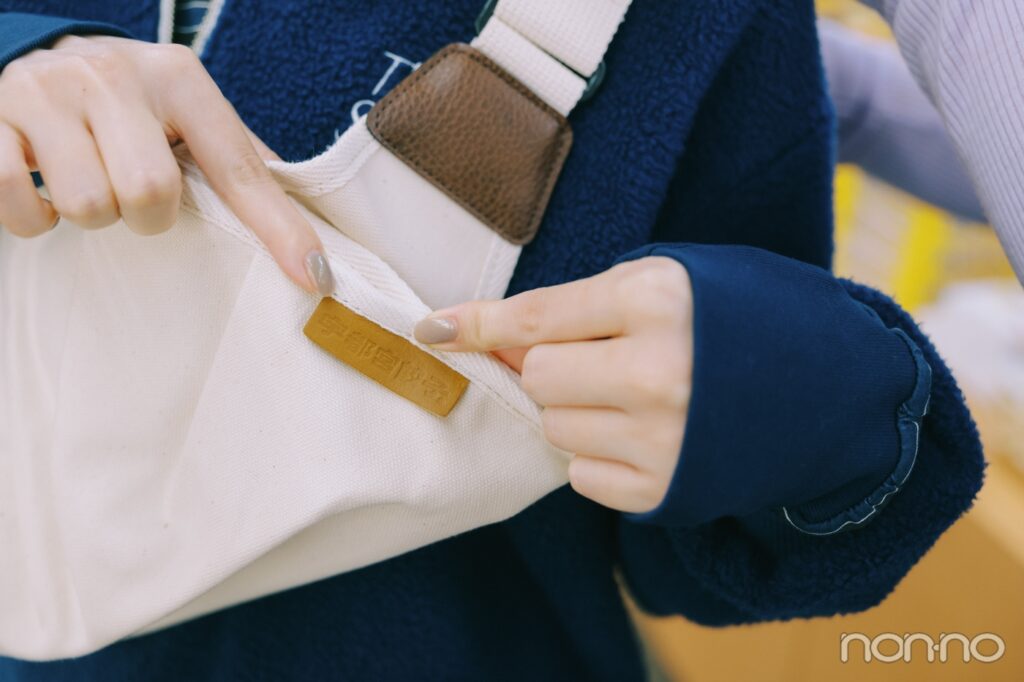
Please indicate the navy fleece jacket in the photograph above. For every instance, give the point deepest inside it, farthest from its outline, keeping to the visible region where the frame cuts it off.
(710, 142)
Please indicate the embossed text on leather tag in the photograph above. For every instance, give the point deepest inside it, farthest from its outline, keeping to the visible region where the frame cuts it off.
(393, 362)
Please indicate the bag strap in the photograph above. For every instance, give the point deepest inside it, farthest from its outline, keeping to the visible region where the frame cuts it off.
(437, 155)
(554, 47)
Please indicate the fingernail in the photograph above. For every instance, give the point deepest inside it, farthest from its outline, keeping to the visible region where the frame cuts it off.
(319, 272)
(435, 330)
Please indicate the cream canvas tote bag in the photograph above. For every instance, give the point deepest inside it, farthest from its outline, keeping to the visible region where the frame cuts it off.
(172, 443)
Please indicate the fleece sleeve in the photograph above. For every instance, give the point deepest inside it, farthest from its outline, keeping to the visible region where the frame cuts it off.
(815, 404)
(22, 33)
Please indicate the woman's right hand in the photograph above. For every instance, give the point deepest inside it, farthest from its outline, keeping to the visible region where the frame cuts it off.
(97, 116)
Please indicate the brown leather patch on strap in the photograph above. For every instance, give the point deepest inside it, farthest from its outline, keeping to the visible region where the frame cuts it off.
(479, 135)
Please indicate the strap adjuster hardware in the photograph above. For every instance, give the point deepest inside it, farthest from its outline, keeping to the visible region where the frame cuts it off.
(593, 81)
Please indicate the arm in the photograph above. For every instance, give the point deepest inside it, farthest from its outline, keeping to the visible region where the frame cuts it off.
(968, 56)
(803, 400)
(804, 386)
(610, 359)
(886, 124)
(744, 564)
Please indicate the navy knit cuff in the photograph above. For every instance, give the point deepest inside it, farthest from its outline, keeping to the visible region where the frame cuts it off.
(809, 518)
(799, 404)
(22, 33)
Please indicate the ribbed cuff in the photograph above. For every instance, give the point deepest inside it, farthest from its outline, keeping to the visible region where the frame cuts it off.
(22, 33)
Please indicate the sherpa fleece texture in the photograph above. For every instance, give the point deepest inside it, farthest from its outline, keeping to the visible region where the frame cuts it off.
(709, 142)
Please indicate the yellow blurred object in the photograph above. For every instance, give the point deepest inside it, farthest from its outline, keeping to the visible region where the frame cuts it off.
(925, 240)
(904, 247)
(855, 16)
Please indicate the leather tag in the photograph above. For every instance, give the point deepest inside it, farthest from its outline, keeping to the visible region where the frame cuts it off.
(479, 135)
(391, 361)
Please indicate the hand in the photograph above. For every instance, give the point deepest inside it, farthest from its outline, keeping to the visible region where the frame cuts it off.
(609, 358)
(97, 117)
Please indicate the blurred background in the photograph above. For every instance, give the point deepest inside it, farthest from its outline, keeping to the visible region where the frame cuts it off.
(952, 275)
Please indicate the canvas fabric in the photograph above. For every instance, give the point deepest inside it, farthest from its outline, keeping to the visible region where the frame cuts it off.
(173, 444)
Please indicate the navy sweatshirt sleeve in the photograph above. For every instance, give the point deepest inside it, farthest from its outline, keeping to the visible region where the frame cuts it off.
(22, 33)
(802, 398)
(807, 416)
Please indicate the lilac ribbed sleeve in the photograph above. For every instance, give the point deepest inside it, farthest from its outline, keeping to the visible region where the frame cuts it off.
(969, 57)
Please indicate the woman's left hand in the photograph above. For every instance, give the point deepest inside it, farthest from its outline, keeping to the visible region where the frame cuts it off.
(609, 357)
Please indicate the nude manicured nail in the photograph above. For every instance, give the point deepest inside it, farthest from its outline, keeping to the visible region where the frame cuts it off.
(319, 272)
(435, 330)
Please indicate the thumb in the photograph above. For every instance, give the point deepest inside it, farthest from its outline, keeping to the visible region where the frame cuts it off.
(473, 326)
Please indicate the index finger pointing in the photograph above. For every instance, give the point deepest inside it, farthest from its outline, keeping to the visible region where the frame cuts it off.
(575, 311)
(220, 144)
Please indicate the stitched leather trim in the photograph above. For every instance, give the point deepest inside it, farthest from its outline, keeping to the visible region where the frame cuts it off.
(479, 135)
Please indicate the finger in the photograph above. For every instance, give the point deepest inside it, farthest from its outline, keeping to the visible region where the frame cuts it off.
(599, 432)
(73, 171)
(578, 373)
(568, 312)
(629, 373)
(218, 141)
(614, 484)
(513, 357)
(22, 210)
(143, 173)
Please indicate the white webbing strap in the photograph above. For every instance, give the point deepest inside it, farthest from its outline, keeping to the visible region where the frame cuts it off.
(443, 252)
(551, 46)
(531, 66)
(575, 32)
